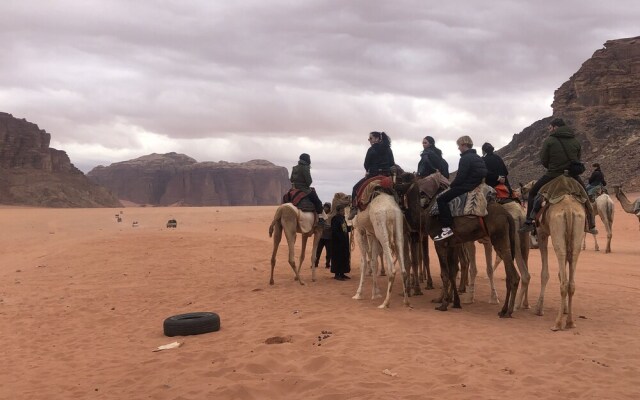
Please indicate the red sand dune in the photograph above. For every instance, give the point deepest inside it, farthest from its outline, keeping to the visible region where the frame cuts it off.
(83, 298)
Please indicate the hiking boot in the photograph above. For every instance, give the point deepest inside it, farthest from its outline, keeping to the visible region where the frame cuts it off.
(528, 226)
(352, 213)
(446, 232)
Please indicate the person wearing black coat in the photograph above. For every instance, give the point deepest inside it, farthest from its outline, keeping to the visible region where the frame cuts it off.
(471, 172)
(430, 159)
(378, 161)
(596, 179)
(325, 238)
(340, 249)
(496, 169)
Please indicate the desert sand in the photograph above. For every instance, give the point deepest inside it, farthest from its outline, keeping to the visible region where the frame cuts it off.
(83, 299)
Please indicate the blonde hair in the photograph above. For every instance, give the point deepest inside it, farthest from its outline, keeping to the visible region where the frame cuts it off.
(464, 140)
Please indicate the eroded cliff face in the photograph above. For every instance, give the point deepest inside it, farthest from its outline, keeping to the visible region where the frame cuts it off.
(601, 102)
(176, 179)
(32, 173)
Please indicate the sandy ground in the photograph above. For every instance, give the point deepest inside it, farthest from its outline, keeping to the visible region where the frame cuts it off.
(83, 299)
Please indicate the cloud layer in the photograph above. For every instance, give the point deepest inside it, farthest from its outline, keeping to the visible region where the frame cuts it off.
(113, 80)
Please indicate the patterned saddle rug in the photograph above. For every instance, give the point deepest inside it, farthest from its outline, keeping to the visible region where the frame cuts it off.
(470, 203)
(299, 199)
(554, 191)
(368, 187)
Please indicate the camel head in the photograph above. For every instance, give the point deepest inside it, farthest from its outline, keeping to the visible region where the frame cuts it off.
(617, 188)
(524, 189)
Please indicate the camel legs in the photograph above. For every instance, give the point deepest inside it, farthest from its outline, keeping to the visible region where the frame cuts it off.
(368, 262)
(543, 242)
(277, 237)
(381, 231)
(448, 269)
(488, 255)
(413, 254)
(595, 239)
(292, 255)
(424, 247)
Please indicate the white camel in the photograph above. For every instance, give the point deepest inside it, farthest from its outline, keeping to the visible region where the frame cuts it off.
(292, 221)
(604, 207)
(381, 220)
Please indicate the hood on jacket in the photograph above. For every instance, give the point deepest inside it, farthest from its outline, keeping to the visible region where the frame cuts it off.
(563, 132)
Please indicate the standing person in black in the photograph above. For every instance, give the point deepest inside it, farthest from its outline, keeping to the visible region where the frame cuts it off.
(325, 239)
(378, 161)
(558, 150)
(340, 250)
(301, 179)
(471, 172)
(496, 169)
(431, 159)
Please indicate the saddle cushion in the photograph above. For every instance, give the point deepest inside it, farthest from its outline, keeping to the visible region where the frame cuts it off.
(368, 187)
(430, 185)
(471, 203)
(561, 186)
(299, 199)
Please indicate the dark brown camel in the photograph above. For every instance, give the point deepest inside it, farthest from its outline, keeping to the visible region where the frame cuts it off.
(501, 231)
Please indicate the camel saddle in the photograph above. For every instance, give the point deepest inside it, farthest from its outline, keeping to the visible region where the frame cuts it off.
(472, 203)
(299, 199)
(554, 191)
(430, 185)
(369, 187)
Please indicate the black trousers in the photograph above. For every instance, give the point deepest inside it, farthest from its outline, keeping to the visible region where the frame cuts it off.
(313, 196)
(443, 205)
(326, 243)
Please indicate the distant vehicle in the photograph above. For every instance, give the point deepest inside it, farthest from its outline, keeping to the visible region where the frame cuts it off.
(172, 223)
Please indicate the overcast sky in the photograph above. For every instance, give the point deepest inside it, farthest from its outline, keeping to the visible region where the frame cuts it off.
(113, 80)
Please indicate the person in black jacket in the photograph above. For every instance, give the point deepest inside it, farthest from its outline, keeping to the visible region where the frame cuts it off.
(378, 161)
(496, 169)
(431, 159)
(471, 172)
(340, 249)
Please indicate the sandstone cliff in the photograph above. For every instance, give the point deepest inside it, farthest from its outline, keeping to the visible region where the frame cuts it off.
(601, 102)
(176, 179)
(32, 173)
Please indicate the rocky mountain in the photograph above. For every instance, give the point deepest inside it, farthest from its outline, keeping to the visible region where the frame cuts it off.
(176, 179)
(32, 173)
(601, 102)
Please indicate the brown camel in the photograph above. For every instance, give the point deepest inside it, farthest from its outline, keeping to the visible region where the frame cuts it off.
(500, 229)
(564, 222)
(627, 206)
(603, 206)
(380, 227)
(521, 256)
(292, 221)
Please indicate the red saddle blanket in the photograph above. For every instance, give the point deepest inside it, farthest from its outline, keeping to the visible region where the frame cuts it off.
(363, 195)
(294, 196)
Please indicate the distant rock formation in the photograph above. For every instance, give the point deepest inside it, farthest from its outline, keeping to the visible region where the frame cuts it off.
(602, 103)
(32, 173)
(176, 179)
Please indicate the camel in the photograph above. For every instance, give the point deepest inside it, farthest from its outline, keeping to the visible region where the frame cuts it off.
(564, 222)
(603, 206)
(292, 221)
(521, 257)
(627, 206)
(500, 229)
(380, 227)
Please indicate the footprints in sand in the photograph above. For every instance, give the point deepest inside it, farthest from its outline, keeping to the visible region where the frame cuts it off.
(324, 335)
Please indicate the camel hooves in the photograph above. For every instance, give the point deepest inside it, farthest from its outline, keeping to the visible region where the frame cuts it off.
(441, 308)
(429, 286)
(357, 297)
(271, 282)
(505, 315)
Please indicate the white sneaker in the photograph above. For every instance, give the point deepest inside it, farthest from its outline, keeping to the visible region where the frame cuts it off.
(446, 232)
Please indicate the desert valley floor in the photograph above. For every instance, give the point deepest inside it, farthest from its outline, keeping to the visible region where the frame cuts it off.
(83, 299)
